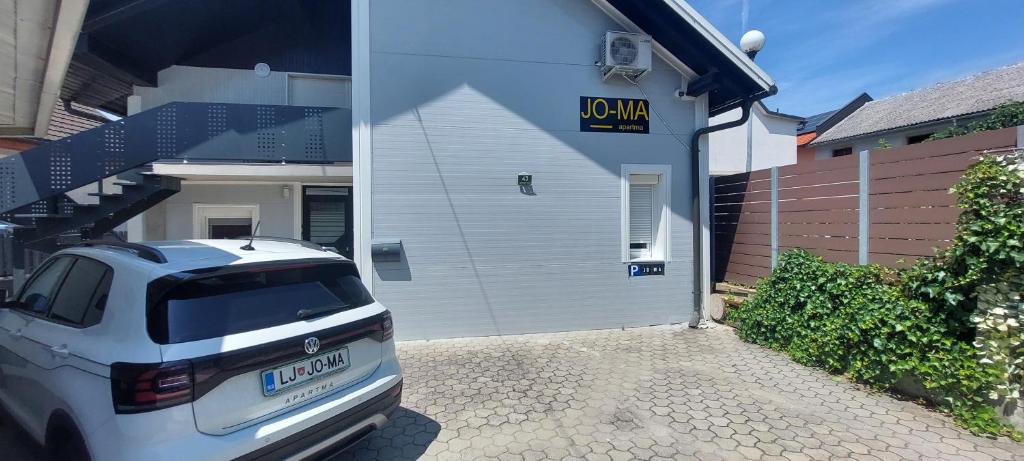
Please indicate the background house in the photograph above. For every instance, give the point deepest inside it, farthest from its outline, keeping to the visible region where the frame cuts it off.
(912, 117)
(62, 123)
(810, 127)
(767, 139)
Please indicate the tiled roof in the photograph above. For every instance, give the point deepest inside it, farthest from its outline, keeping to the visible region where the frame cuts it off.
(971, 95)
(63, 124)
(804, 138)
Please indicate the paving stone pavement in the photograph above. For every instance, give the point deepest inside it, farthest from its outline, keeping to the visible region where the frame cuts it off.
(649, 393)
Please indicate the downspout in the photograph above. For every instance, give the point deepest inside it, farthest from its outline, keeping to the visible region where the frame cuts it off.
(698, 320)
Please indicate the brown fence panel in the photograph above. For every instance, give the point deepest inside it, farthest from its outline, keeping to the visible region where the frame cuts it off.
(742, 221)
(912, 210)
(817, 206)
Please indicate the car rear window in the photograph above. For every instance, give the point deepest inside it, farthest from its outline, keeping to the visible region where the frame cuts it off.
(226, 301)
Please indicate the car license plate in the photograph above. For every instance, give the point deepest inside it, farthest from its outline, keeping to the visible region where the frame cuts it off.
(293, 374)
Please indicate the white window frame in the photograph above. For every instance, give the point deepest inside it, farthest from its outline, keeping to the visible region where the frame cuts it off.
(662, 248)
(202, 212)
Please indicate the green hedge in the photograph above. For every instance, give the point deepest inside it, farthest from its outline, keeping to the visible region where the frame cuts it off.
(1004, 116)
(879, 326)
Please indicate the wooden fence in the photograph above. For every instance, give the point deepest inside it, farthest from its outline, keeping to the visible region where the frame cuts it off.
(886, 206)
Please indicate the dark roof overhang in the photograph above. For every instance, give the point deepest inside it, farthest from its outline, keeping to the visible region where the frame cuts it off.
(127, 42)
(693, 41)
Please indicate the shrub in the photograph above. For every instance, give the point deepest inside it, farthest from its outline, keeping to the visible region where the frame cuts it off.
(858, 320)
(878, 325)
(1004, 116)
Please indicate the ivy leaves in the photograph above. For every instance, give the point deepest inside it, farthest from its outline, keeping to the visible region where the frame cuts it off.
(858, 320)
(879, 326)
(1004, 116)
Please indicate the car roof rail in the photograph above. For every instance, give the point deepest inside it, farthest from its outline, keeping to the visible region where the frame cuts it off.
(145, 252)
(303, 243)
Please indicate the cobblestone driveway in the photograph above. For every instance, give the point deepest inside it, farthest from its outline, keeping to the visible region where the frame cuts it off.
(648, 393)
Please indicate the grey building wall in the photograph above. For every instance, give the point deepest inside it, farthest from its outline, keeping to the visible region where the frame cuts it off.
(176, 213)
(243, 86)
(465, 95)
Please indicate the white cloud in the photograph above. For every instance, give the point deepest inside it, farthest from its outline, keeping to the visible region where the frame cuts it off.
(745, 16)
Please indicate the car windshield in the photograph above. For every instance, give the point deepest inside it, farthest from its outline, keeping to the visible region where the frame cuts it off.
(248, 299)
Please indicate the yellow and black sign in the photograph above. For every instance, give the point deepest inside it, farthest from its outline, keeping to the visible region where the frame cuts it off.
(614, 115)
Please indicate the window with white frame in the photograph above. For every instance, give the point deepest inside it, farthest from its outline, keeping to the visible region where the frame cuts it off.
(645, 212)
(224, 221)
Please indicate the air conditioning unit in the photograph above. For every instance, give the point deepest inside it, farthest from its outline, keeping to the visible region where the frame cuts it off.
(625, 54)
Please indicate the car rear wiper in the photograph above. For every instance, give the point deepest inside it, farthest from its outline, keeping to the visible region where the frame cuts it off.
(310, 313)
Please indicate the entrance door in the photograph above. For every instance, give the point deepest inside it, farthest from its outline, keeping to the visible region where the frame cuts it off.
(225, 221)
(327, 217)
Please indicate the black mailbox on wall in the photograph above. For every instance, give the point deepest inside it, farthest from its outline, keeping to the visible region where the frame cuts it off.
(385, 250)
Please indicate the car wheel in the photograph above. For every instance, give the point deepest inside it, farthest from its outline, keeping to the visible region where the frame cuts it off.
(66, 445)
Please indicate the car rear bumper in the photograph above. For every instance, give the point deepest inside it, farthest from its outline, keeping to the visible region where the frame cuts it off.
(171, 434)
(335, 434)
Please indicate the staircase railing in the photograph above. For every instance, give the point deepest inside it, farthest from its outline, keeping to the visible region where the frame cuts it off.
(183, 130)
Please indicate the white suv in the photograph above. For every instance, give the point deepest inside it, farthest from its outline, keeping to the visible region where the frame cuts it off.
(197, 350)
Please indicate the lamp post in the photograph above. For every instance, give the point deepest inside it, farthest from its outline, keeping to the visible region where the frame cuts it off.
(751, 43)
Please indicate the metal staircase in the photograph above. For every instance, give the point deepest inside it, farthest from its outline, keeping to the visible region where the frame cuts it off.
(35, 184)
(60, 221)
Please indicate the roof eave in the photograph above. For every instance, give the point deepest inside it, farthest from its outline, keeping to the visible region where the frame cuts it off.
(758, 75)
(62, 45)
(939, 121)
(690, 39)
(776, 114)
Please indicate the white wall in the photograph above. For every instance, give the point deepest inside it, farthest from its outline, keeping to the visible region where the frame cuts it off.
(773, 142)
(243, 86)
(175, 215)
(455, 119)
(173, 218)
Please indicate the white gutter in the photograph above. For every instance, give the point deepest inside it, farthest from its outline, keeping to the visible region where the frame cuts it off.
(65, 35)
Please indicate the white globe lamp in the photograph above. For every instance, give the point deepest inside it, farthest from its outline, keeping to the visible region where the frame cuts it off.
(752, 42)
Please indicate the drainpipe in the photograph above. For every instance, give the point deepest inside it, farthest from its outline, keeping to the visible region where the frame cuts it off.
(698, 321)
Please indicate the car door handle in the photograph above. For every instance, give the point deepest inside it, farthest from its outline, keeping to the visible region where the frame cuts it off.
(60, 351)
(16, 334)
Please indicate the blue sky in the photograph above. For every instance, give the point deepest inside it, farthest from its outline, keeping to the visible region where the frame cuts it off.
(824, 53)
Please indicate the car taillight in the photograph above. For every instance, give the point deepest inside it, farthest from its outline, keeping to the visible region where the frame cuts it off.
(387, 326)
(138, 388)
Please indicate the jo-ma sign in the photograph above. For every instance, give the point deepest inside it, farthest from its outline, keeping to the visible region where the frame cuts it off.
(614, 115)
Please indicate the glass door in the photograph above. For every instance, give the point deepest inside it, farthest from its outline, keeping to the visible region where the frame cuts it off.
(327, 217)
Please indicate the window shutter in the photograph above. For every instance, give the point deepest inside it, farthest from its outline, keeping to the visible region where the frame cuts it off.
(326, 222)
(641, 219)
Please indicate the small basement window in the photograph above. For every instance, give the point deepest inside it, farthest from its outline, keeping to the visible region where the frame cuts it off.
(842, 152)
(918, 139)
(645, 190)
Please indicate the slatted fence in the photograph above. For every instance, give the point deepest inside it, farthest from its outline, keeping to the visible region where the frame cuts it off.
(818, 206)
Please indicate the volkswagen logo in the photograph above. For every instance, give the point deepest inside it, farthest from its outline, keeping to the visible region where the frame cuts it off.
(312, 345)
